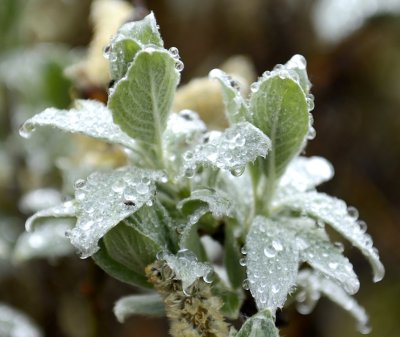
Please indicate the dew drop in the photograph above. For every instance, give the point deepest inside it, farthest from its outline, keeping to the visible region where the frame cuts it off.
(142, 188)
(107, 51)
(254, 87)
(243, 250)
(179, 65)
(129, 194)
(363, 226)
(26, 130)
(311, 133)
(268, 252)
(333, 265)
(275, 289)
(246, 285)
(339, 246)
(79, 183)
(174, 52)
(149, 203)
(242, 261)
(277, 245)
(118, 186)
(189, 172)
(353, 212)
(237, 171)
(310, 102)
(188, 155)
(208, 278)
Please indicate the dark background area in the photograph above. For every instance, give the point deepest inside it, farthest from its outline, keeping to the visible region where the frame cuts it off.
(356, 84)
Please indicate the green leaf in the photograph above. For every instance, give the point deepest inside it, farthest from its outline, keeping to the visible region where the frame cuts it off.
(190, 240)
(142, 100)
(314, 285)
(105, 199)
(260, 325)
(130, 247)
(48, 240)
(131, 38)
(279, 109)
(144, 305)
(231, 150)
(90, 118)
(272, 262)
(236, 109)
(14, 323)
(232, 299)
(236, 272)
(118, 270)
(334, 212)
(65, 210)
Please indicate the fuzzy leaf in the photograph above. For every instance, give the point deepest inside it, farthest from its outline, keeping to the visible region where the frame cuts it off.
(232, 257)
(144, 305)
(141, 101)
(105, 199)
(334, 212)
(236, 109)
(303, 174)
(296, 66)
(231, 150)
(48, 240)
(272, 262)
(131, 38)
(14, 323)
(130, 247)
(183, 131)
(118, 270)
(260, 325)
(186, 267)
(315, 285)
(66, 210)
(90, 118)
(280, 110)
(317, 250)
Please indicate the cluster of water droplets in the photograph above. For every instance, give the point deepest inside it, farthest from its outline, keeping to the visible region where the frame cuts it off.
(272, 263)
(174, 52)
(187, 268)
(230, 150)
(106, 198)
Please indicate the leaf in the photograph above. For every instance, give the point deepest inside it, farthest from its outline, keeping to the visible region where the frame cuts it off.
(272, 262)
(48, 240)
(90, 118)
(232, 299)
(186, 267)
(131, 248)
(65, 210)
(236, 109)
(231, 150)
(334, 212)
(117, 270)
(314, 285)
(304, 174)
(297, 67)
(14, 323)
(144, 305)
(232, 257)
(130, 38)
(260, 325)
(105, 199)
(279, 109)
(183, 131)
(317, 250)
(142, 100)
(39, 199)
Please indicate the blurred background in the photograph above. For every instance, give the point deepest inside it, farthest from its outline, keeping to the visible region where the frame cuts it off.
(353, 52)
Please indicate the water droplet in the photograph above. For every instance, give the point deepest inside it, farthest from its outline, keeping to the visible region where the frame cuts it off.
(118, 186)
(142, 188)
(26, 130)
(242, 261)
(146, 180)
(254, 87)
(189, 172)
(130, 194)
(277, 245)
(208, 278)
(80, 195)
(174, 52)
(149, 203)
(243, 250)
(339, 246)
(363, 226)
(164, 178)
(269, 252)
(237, 171)
(79, 183)
(311, 133)
(240, 141)
(246, 285)
(107, 51)
(353, 212)
(275, 289)
(188, 155)
(179, 65)
(333, 265)
(310, 102)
